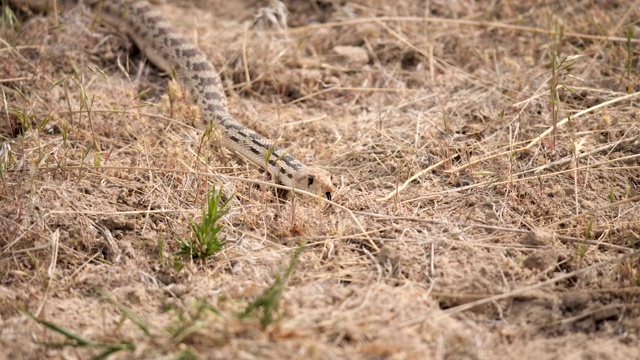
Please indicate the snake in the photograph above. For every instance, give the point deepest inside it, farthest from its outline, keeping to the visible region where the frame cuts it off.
(174, 53)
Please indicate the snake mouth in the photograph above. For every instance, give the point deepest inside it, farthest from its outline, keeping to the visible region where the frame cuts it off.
(328, 195)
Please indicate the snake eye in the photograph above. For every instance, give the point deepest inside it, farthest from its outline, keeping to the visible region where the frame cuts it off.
(310, 180)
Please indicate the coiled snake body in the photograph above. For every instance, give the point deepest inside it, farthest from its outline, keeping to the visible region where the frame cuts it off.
(174, 53)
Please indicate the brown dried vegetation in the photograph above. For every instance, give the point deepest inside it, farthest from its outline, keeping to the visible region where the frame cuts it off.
(463, 228)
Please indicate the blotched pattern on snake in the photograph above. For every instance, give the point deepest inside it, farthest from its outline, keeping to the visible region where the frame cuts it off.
(176, 54)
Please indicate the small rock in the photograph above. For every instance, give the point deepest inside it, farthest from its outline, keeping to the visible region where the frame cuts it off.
(352, 54)
(117, 223)
(170, 303)
(541, 259)
(388, 255)
(177, 290)
(607, 313)
(539, 237)
(575, 301)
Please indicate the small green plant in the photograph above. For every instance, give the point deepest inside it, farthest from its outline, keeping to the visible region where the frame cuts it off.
(9, 20)
(559, 69)
(581, 251)
(176, 262)
(266, 306)
(629, 63)
(612, 194)
(192, 321)
(588, 230)
(75, 340)
(206, 239)
(185, 325)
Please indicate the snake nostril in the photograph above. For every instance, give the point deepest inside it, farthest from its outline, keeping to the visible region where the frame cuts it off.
(328, 195)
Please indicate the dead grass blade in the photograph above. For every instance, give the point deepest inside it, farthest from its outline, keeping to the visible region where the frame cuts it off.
(510, 152)
(522, 290)
(475, 23)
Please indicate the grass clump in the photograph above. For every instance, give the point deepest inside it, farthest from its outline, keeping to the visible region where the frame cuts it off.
(266, 307)
(75, 340)
(206, 239)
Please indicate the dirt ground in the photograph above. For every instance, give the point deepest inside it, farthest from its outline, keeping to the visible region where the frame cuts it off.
(465, 226)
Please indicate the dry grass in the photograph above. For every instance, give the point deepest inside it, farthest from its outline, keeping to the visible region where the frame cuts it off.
(479, 213)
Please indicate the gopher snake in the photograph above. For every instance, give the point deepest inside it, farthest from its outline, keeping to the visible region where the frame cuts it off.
(174, 53)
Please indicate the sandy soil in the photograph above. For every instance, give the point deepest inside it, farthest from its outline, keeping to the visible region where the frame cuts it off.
(464, 226)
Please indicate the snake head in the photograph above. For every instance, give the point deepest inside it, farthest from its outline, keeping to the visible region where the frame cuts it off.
(314, 180)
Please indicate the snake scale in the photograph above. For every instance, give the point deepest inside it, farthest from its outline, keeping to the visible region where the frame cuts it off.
(174, 53)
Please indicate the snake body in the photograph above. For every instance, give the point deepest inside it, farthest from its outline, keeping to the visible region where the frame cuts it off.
(175, 54)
